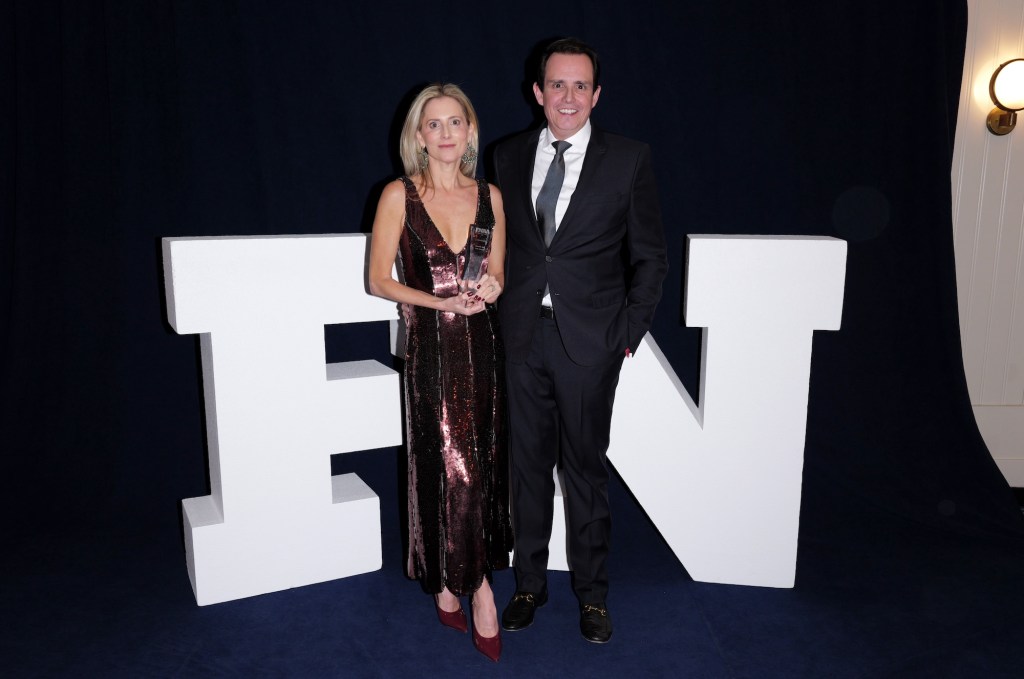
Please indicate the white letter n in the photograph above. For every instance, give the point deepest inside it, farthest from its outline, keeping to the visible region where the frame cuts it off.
(722, 482)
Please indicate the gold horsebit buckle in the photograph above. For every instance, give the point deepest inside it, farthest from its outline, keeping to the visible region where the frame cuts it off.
(588, 608)
(523, 597)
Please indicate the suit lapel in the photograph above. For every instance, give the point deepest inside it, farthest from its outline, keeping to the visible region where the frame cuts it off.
(596, 150)
(527, 157)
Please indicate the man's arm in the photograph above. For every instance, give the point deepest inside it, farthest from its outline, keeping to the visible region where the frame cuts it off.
(645, 236)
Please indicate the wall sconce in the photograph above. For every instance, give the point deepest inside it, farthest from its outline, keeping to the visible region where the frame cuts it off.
(1007, 91)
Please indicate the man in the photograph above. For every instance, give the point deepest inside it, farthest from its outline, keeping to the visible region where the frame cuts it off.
(586, 259)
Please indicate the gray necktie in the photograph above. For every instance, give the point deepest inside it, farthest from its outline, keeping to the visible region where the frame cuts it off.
(548, 196)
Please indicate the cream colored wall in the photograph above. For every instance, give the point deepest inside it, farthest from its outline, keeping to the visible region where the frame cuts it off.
(988, 228)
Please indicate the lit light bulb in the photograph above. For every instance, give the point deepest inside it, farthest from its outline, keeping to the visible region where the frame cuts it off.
(1008, 86)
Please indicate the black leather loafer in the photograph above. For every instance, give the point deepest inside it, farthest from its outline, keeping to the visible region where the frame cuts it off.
(595, 623)
(519, 612)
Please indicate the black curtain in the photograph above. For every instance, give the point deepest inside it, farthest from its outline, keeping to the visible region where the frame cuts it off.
(126, 122)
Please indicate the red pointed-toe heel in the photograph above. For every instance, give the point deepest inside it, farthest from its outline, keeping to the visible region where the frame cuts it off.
(454, 619)
(489, 646)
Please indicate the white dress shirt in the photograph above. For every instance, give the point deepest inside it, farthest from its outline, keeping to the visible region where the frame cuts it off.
(573, 157)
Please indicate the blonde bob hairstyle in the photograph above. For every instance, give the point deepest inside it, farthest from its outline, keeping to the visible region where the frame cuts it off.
(409, 149)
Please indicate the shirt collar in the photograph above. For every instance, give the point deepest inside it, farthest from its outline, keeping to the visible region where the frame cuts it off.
(579, 141)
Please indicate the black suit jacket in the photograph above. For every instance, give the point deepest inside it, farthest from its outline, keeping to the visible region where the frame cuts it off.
(606, 263)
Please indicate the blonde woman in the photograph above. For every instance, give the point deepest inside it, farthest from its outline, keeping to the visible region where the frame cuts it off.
(432, 219)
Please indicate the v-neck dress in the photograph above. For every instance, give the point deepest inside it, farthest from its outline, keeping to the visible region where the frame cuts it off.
(454, 378)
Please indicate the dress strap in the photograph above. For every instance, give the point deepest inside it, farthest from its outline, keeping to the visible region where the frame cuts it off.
(484, 211)
(410, 187)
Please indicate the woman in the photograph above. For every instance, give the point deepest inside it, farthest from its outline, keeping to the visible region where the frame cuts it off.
(459, 528)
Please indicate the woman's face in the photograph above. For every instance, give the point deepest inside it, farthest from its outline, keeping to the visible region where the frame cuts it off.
(444, 130)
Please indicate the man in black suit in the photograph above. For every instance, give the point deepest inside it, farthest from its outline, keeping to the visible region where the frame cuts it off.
(586, 260)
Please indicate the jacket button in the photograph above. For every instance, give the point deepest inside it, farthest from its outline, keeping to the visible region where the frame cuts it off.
(548, 258)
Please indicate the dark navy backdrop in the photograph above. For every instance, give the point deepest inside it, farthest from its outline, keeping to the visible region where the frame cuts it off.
(127, 122)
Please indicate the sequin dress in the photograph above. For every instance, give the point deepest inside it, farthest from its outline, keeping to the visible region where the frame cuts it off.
(454, 380)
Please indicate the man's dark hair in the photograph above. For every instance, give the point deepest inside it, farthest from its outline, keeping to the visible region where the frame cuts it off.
(568, 46)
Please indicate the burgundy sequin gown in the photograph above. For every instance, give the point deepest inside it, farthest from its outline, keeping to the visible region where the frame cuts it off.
(459, 527)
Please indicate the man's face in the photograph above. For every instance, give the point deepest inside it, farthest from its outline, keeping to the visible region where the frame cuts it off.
(568, 94)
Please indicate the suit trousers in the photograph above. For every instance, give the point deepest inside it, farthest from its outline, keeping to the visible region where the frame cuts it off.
(560, 411)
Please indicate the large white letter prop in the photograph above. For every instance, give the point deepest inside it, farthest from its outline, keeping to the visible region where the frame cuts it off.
(275, 411)
(722, 482)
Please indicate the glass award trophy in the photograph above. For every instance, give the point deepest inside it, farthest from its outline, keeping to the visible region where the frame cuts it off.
(479, 240)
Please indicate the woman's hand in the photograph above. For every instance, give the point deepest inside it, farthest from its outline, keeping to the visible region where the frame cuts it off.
(488, 288)
(466, 303)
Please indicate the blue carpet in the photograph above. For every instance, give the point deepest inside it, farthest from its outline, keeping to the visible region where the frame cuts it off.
(875, 597)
